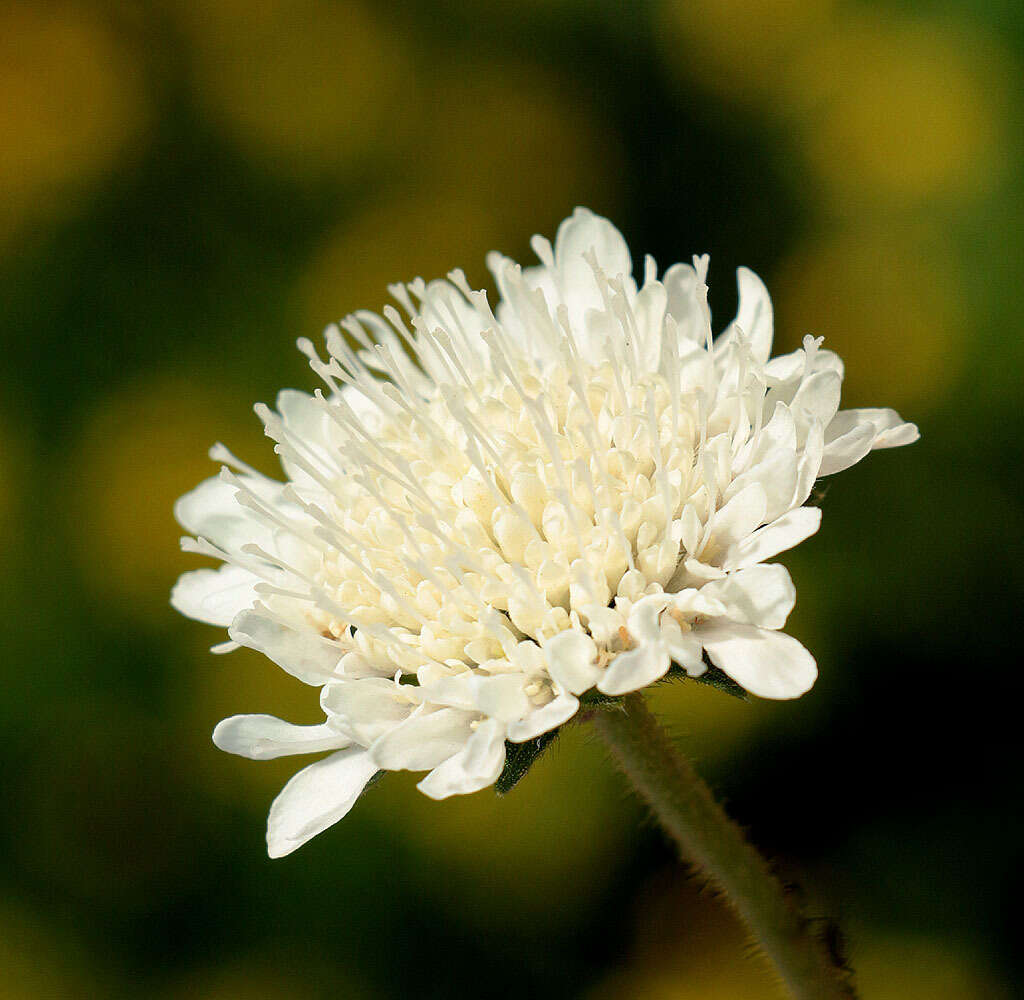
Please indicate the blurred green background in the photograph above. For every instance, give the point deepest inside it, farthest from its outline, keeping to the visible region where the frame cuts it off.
(186, 188)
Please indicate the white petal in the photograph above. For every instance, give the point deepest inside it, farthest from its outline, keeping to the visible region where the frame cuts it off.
(603, 621)
(680, 282)
(684, 648)
(644, 622)
(304, 654)
(693, 573)
(572, 661)
(778, 433)
(649, 310)
(475, 766)
(513, 309)
(847, 432)
(635, 669)
(423, 741)
(785, 367)
(212, 511)
(767, 663)
(783, 533)
(264, 737)
(690, 528)
(817, 398)
(809, 466)
(316, 798)
(754, 316)
(882, 420)
(444, 307)
(777, 475)
(759, 595)
(582, 232)
(692, 601)
(369, 707)
(212, 500)
(896, 437)
(214, 596)
(355, 665)
(304, 416)
(501, 696)
(695, 365)
(540, 720)
(825, 360)
(738, 518)
(847, 450)
(307, 420)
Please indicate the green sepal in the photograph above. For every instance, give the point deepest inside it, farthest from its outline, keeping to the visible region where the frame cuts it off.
(713, 677)
(720, 680)
(597, 699)
(519, 758)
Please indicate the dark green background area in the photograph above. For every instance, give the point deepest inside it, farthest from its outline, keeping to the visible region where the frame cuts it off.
(156, 265)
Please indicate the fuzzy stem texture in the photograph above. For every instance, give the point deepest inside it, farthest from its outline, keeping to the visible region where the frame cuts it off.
(706, 837)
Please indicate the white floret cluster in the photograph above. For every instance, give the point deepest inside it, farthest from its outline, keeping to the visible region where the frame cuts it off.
(487, 514)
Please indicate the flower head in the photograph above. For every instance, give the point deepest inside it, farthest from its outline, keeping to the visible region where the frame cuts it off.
(486, 514)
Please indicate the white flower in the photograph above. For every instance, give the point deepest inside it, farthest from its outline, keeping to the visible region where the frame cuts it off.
(486, 515)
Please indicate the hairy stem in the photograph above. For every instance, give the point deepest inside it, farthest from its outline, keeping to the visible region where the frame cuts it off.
(706, 837)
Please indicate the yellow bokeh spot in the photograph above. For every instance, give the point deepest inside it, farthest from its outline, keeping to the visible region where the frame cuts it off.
(37, 961)
(501, 155)
(901, 967)
(879, 106)
(141, 450)
(711, 723)
(564, 824)
(394, 241)
(741, 48)
(71, 102)
(307, 86)
(523, 142)
(888, 302)
(904, 110)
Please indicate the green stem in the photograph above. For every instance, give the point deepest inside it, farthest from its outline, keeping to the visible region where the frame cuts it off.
(706, 837)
